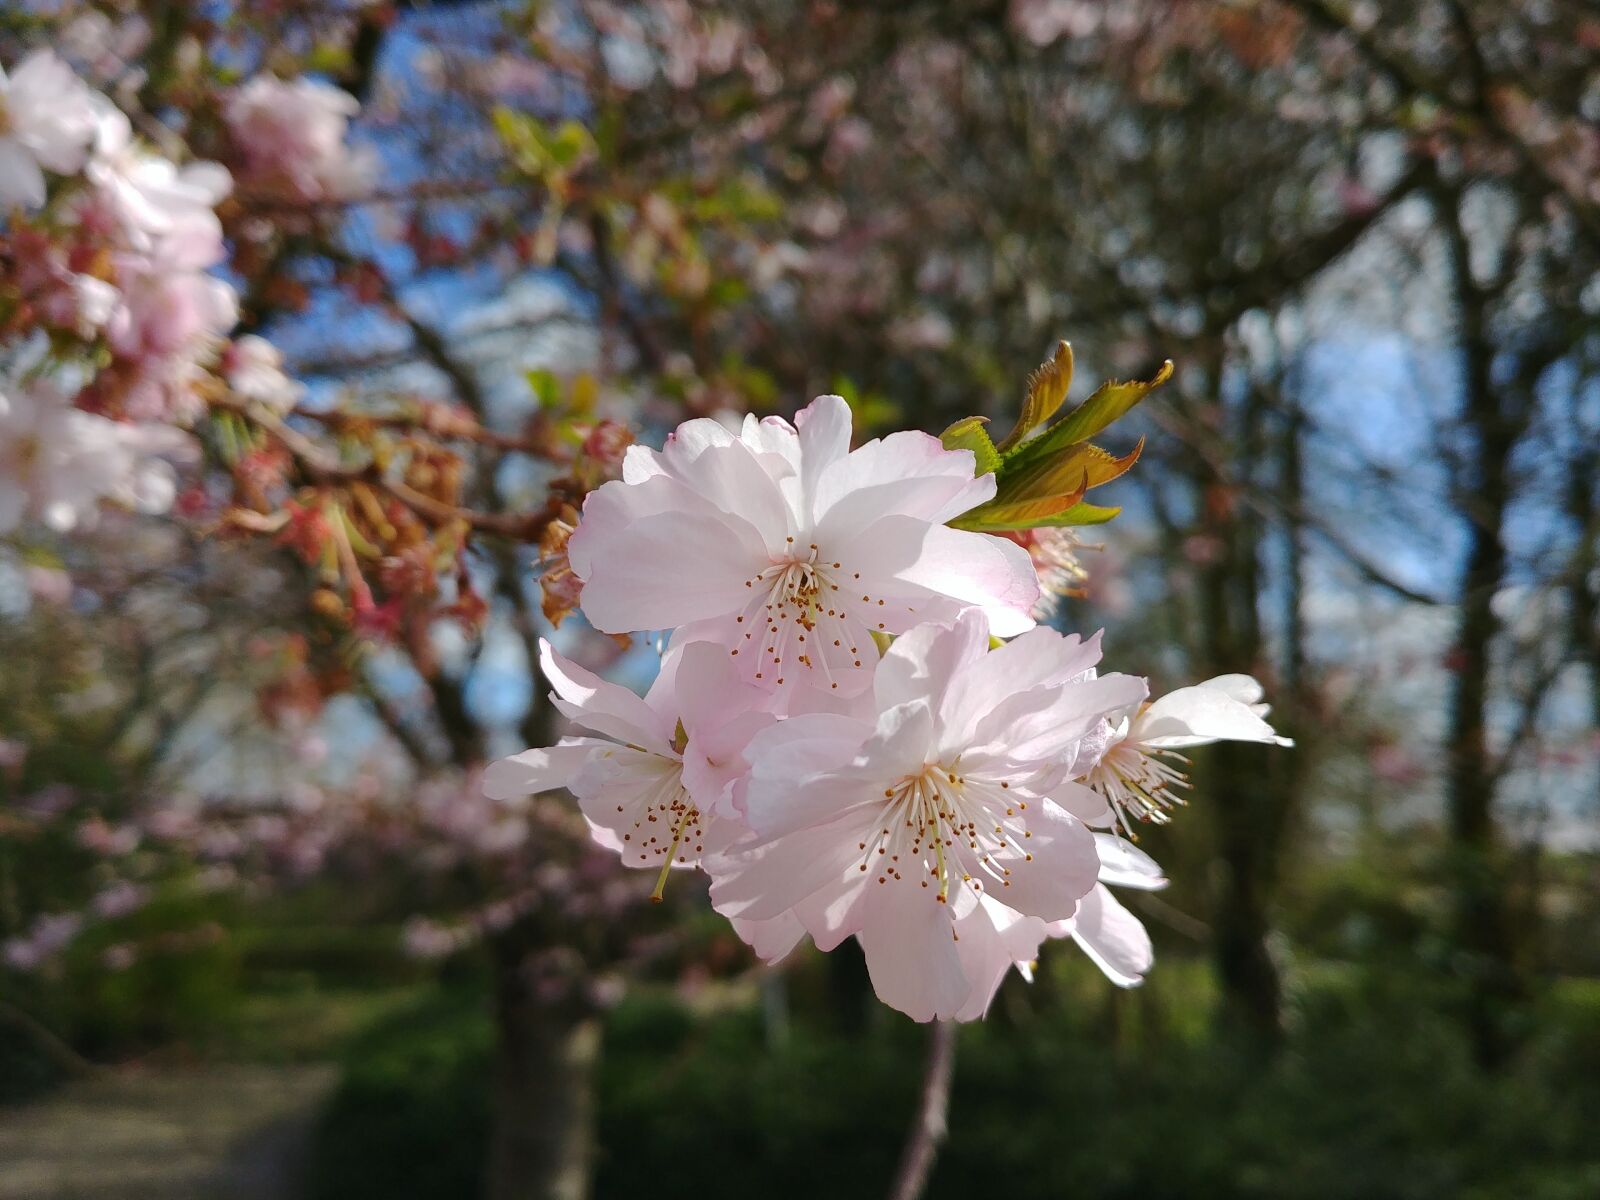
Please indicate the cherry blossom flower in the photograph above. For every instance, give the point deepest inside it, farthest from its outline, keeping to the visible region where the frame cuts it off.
(253, 368)
(791, 549)
(291, 135)
(158, 207)
(659, 784)
(58, 463)
(1141, 765)
(1115, 940)
(942, 834)
(46, 122)
(168, 321)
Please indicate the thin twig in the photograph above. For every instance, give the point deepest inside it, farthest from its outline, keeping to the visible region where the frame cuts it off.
(927, 1133)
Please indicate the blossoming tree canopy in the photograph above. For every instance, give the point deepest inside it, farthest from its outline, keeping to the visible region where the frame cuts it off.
(840, 735)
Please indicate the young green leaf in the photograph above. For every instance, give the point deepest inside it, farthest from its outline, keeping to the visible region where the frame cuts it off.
(970, 434)
(1110, 401)
(1047, 391)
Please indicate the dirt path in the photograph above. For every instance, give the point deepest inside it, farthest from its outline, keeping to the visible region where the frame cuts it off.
(219, 1132)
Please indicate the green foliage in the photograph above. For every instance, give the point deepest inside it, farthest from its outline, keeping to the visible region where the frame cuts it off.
(410, 1117)
(1070, 1089)
(1040, 480)
(545, 152)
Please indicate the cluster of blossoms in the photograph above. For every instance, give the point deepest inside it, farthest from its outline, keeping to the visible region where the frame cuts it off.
(838, 736)
(113, 323)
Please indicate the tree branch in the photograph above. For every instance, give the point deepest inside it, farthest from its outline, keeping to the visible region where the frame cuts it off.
(929, 1129)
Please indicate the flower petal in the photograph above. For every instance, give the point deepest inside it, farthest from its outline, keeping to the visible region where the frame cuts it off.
(761, 880)
(1113, 938)
(535, 771)
(603, 707)
(771, 940)
(662, 570)
(1125, 865)
(1044, 875)
(1195, 716)
(909, 559)
(912, 956)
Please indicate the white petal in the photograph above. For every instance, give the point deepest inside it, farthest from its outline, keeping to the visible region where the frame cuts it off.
(1039, 658)
(1194, 716)
(926, 661)
(908, 473)
(535, 771)
(824, 428)
(771, 940)
(606, 708)
(1113, 938)
(1062, 869)
(909, 559)
(1088, 805)
(730, 478)
(994, 938)
(761, 881)
(661, 571)
(21, 181)
(1125, 865)
(912, 957)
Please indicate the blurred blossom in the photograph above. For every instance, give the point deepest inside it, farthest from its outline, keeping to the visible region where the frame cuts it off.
(425, 938)
(46, 122)
(57, 462)
(924, 331)
(218, 877)
(253, 368)
(1044, 21)
(119, 900)
(13, 754)
(1395, 764)
(49, 935)
(106, 840)
(292, 139)
(120, 956)
(102, 47)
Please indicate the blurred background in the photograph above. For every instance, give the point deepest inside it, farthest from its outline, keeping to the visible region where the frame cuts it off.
(259, 935)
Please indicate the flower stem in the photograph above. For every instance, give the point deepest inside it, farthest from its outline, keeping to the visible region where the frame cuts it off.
(928, 1130)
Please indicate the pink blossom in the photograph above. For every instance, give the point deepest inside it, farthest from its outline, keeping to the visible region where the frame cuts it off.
(168, 321)
(659, 785)
(427, 939)
(46, 121)
(291, 136)
(157, 207)
(58, 463)
(945, 833)
(1141, 766)
(253, 368)
(107, 840)
(50, 934)
(119, 900)
(790, 549)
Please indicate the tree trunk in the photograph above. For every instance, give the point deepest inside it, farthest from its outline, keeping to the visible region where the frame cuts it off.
(542, 1143)
(1247, 802)
(1476, 872)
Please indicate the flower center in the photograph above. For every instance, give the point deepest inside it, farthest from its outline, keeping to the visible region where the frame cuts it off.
(802, 617)
(940, 825)
(666, 824)
(1138, 783)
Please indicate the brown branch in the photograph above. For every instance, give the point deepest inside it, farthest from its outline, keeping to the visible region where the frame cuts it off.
(932, 1120)
(1480, 110)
